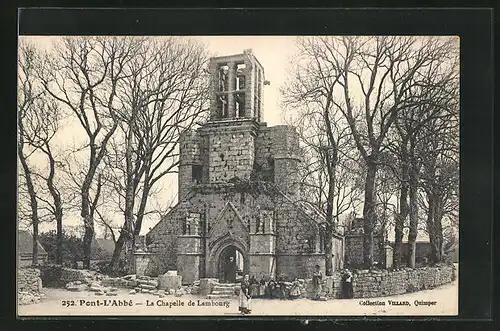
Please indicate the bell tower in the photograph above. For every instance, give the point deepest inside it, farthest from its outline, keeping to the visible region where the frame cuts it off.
(236, 109)
(236, 87)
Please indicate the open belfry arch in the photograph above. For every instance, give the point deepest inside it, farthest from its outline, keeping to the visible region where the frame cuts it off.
(238, 82)
(239, 207)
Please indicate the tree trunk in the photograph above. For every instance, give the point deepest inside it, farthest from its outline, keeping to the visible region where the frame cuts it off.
(412, 235)
(33, 202)
(88, 223)
(431, 229)
(329, 228)
(59, 240)
(126, 232)
(142, 206)
(403, 210)
(369, 212)
(329, 250)
(122, 239)
(87, 243)
(438, 233)
(58, 209)
(34, 260)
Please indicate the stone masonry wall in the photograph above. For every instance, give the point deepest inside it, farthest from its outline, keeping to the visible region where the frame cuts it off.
(263, 145)
(354, 250)
(231, 155)
(296, 232)
(380, 283)
(285, 150)
(29, 286)
(162, 241)
(300, 266)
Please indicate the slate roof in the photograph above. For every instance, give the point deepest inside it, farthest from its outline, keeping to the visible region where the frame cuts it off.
(102, 248)
(25, 243)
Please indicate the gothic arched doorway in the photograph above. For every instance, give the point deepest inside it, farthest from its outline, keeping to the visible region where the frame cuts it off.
(231, 265)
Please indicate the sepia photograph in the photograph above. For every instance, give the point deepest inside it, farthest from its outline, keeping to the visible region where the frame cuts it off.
(238, 176)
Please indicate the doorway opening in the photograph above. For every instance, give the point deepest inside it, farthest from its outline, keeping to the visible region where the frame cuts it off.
(231, 265)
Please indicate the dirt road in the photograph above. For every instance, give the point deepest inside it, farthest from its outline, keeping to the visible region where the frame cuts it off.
(439, 301)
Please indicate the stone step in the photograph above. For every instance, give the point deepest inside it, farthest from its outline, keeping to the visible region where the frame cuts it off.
(226, 285)
(223, 288)
(222, 292)
(219, 296)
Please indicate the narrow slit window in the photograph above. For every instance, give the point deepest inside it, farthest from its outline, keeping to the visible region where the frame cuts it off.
(197, 173)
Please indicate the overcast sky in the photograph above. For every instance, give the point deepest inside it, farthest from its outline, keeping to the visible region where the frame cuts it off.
(274, 53)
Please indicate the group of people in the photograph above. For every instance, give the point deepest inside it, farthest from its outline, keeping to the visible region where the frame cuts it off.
(272, 289)
(347, 289)
(277, 289)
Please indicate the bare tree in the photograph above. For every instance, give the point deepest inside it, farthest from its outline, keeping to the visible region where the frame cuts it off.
(437, 88)
(374, 75)
(164, 93)
(325, 137)
(440, 176)
(83, 76)
(36, 125)
(387, 186)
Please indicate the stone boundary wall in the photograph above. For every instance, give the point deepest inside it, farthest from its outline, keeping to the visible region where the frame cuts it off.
(380, 283)
(29, 286)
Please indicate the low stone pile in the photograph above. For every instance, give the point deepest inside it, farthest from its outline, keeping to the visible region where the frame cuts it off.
(29, 286)
(146, 284)
(77, 286)
(195, 289)
(167, 284)
(58, 276)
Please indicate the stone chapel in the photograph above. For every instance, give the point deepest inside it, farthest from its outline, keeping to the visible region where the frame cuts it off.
(239, 208)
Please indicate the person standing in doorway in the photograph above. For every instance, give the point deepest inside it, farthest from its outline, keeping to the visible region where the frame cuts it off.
(230, 276)
(316, 280)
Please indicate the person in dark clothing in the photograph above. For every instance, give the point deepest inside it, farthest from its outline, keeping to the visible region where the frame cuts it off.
(230, 272)
(316, 280)
(281, 288)
(347, 289)
(254, 287)
(271, 288)
(262, 287)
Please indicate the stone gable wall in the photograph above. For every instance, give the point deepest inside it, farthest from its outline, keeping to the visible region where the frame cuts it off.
(162, 241)
(292, 228)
